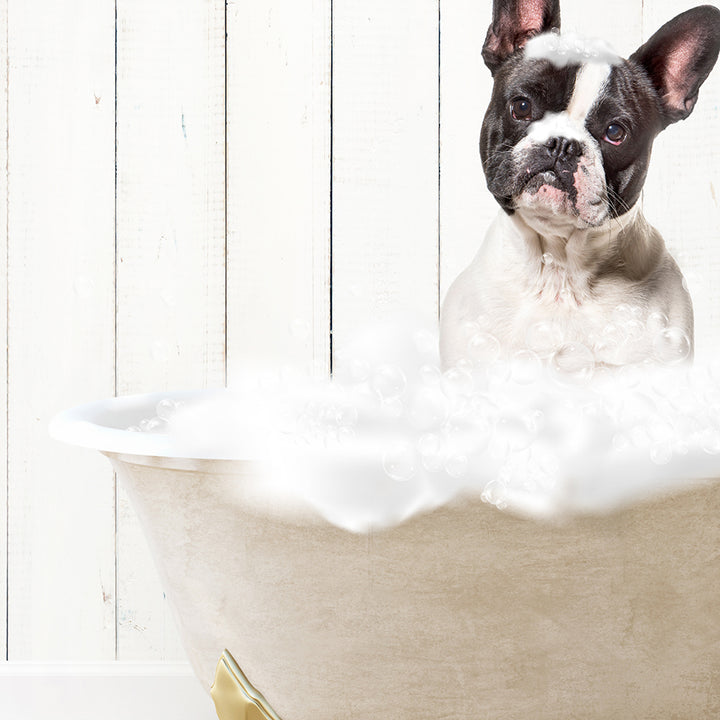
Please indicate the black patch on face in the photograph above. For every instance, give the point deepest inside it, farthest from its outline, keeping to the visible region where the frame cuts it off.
(628, 99)
(549, 89)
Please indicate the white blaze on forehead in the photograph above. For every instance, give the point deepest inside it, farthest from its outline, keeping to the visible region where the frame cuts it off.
(570, 124)
(570, 49)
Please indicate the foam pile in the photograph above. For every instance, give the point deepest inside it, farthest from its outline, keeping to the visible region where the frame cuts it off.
(392, 435)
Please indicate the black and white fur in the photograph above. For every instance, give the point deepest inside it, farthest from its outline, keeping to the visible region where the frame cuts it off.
(565, 147)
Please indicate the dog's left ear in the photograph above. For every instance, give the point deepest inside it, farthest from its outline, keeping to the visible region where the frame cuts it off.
(679, 57)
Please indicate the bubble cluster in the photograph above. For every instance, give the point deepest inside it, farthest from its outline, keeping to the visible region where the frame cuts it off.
(536, 431)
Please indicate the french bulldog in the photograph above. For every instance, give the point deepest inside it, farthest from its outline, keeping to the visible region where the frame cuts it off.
(565, 146)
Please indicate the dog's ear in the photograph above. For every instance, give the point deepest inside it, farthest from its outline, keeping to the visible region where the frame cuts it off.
(678, 58)
(514, 23)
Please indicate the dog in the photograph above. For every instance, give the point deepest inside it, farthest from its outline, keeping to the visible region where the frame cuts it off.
(571, 262)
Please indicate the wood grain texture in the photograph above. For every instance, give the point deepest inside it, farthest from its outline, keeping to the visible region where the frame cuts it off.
(278, 185)
(60, 326)
(170, 247)
(3, 323)
(385, 162)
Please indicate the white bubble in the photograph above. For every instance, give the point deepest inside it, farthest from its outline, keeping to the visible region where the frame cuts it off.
(457, 382)
(661, 453)
(656, 321)
(543, 338)
(511, 435)
(389, 382)
(166, 408)
(525, 367)
(152, 424)
(429, 408)
(483, 349)
(573, 364)
(456, 466)
(399, 462)
(671, 346)
(426, 342)
(548, 259)
(430, 374)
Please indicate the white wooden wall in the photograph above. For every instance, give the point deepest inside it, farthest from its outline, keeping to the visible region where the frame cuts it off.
(176, 207)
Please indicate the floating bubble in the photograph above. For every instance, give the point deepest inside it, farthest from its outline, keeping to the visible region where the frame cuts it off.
(656, 321)
(525, 367)
(166, 408)
(389, 382)
(573, 364)
(661, 453)
(543, 338)
(548, 259)
(399, 462)
(430, 374)
(671, 346)
(483, 349)
(429, 408)
(457, 382)
(456, 466)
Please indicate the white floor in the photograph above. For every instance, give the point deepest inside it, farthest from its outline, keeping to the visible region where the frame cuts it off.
(111, 691)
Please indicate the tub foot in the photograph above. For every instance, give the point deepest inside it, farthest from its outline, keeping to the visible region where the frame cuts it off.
(235, 698)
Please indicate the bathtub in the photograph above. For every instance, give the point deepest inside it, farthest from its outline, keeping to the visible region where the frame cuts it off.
(463, 612)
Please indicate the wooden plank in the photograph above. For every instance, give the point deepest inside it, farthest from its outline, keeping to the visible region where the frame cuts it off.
(3, 325)
(682, 193)
(60, 326)
(385, 162)
(170, 247)
(467, 208)
(278, 185)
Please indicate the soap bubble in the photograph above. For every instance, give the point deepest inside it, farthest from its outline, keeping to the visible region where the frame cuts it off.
(511, 435)
(430, 374)
(483, 349)
(573, 364)
(525, 367)
(457, 382)
(671, 346)
(544, 338)
(656, 321)
(661, 453)
(429, 408)
(389, 382)
(431, 452)
(166, 408)
(548, 259)
(456, 466)
(399, 462)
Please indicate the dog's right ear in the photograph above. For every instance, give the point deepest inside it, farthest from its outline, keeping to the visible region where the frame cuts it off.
(514, 23)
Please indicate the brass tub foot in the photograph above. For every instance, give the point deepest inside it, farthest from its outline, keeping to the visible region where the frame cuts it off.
(235, 698)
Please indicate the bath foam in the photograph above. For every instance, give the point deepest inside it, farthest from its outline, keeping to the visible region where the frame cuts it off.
(391, 435)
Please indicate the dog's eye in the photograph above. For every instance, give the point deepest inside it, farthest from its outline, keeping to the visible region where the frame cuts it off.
(521, 108)
(615, 134)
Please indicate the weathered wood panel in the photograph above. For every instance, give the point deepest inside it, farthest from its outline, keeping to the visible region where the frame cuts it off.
(170, 247)
(60, 325)
(385, 162)
(278, 185)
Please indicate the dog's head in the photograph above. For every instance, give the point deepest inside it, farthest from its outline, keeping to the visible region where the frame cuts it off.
(568, 133)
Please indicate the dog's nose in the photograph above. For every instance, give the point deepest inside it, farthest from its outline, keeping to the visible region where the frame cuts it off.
(562, 148)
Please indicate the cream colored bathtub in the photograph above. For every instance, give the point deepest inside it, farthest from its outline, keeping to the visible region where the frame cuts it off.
(466, 612)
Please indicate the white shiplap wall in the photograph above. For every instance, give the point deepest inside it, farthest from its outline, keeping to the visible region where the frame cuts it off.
(152, 245)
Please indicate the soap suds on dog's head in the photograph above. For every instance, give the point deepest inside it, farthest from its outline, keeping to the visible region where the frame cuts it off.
(391, 435)
(563, 49)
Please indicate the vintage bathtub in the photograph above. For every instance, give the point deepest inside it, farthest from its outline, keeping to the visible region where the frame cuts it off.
(463, 612)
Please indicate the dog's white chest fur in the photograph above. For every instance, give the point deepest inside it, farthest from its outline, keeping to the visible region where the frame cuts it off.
(542, 293)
